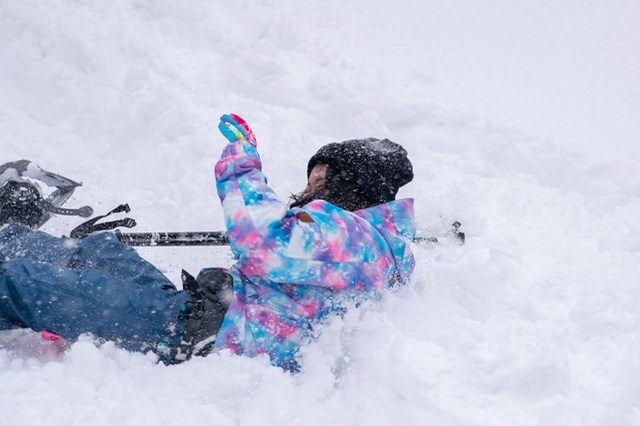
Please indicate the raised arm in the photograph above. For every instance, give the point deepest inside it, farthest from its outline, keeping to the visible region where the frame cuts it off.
(251, 209)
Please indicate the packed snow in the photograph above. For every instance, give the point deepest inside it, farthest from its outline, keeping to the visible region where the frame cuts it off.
(522, 122)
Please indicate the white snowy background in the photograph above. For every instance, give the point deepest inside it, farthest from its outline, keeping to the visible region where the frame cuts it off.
(522, 120)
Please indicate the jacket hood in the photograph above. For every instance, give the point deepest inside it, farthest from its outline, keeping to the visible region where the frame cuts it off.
(396, 223)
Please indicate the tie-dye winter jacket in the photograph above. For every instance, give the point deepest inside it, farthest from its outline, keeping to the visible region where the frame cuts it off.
(290, 271)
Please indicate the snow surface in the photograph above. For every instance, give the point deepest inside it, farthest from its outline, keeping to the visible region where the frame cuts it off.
(522, 120)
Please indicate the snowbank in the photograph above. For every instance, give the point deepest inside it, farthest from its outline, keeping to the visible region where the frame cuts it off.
(520, 121)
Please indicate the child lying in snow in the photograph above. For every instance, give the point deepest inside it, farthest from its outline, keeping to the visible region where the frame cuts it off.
(344, 237)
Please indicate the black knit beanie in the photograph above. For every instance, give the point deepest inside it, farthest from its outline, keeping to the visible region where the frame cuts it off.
(363, 172)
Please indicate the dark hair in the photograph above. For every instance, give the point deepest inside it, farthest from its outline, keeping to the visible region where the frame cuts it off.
(302, 198)
(335, 191)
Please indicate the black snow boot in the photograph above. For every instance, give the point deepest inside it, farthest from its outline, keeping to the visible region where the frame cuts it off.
(211, 295)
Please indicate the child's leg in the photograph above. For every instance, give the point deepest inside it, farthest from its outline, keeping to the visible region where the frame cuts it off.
(105, 253)
(102, 252)
(20, 242)
(70, 302)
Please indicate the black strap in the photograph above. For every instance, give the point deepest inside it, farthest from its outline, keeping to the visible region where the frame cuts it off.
(84, 211)
(90, 226)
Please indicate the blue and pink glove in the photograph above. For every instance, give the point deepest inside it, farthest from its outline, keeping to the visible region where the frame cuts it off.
(235, 129)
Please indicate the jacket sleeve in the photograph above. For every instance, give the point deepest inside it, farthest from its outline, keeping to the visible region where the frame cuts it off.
(271, 242)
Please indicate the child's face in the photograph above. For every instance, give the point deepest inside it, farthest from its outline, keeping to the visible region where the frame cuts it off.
(317, 177)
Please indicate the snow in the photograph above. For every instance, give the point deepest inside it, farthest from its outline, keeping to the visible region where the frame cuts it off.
(521, 120)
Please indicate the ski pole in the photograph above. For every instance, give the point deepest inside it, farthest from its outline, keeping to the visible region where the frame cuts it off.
(219, 238)
(144, 239)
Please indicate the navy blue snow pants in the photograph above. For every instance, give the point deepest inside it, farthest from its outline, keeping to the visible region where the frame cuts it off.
(95, 285)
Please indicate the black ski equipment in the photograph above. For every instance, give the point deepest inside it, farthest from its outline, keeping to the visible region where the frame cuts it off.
(22, 200)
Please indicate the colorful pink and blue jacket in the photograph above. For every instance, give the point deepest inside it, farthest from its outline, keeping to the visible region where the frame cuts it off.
(291, 273)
